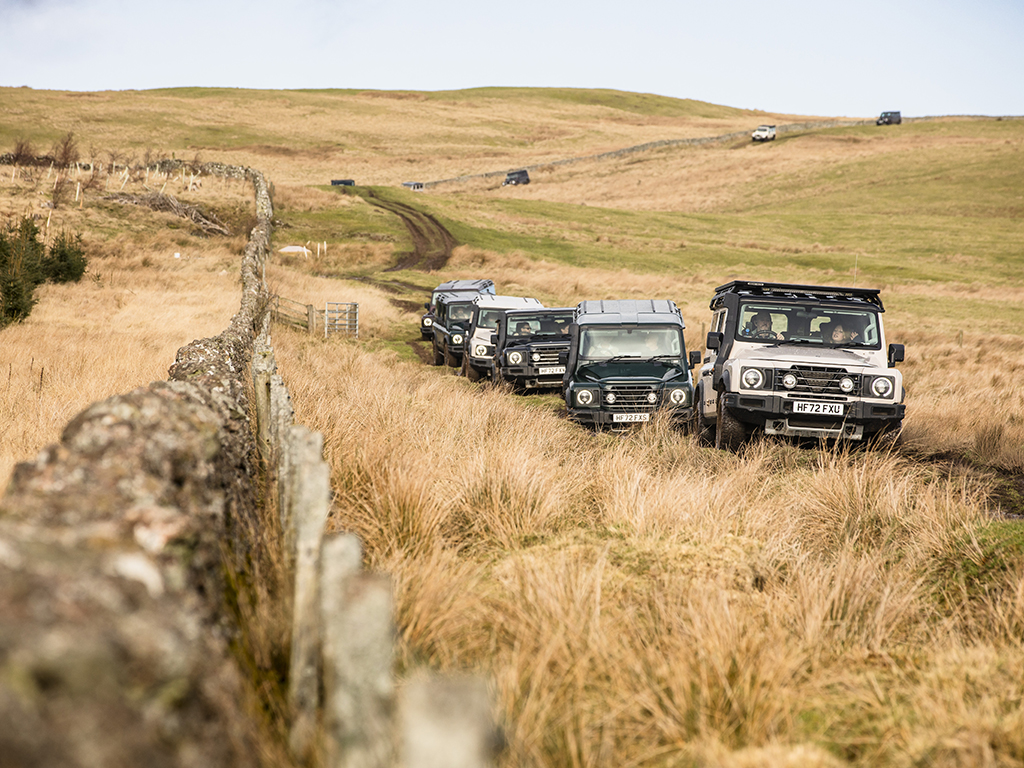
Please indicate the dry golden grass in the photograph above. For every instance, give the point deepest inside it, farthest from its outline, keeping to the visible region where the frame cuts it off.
(117, 329)
(640, 600)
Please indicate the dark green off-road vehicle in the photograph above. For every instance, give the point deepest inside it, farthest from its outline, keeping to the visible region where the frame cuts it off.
(626, 360)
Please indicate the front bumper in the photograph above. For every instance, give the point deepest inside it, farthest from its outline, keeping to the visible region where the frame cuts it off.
(600, 417)
(861, 419)
(528, 377)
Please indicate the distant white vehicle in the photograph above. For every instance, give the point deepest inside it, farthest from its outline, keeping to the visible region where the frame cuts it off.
(764, 133)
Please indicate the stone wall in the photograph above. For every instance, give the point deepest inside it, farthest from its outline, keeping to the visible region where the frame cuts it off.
(114, 546)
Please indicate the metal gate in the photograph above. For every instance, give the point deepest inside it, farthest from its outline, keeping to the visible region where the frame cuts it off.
(340, 317)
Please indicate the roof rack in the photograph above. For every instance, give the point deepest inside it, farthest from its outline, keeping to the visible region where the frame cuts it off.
(791, 291)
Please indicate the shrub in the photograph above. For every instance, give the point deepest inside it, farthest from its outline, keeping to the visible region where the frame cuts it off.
(25, 263)
(65, 262)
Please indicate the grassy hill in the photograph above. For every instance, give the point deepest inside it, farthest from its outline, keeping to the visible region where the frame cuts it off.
(637, 599)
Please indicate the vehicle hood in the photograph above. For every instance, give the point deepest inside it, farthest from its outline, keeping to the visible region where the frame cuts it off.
(827, 356)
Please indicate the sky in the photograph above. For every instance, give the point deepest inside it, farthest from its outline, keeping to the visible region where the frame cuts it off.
(809, 57)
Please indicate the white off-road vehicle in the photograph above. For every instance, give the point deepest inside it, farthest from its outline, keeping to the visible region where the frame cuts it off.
(478, 359)
(764, 133)
(799, 361)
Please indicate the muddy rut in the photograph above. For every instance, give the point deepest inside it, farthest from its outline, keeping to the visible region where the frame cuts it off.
(432, 243)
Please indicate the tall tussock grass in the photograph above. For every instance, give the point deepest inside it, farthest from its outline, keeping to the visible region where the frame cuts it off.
(638, 599)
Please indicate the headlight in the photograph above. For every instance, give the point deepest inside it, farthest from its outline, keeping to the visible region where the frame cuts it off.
(610, 398)
(677, 396)
(456, 338)
(480, 350)
(515, 358)
(789, 380)
(846, 384)
(882, 387)
(752, 378)
(584, 397)
(427, 322)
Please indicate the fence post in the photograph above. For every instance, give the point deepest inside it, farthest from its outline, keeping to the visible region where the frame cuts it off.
(263, 367)
(358, 639)
(311, 318)
(447, 723)
(309, 478)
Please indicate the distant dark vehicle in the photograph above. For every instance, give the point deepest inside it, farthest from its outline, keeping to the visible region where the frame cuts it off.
(469, 287)
(515, 178)
(343, 182)
(889, 118)
(415, 186)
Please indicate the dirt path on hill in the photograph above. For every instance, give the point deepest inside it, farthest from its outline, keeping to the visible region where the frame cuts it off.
(432, 243)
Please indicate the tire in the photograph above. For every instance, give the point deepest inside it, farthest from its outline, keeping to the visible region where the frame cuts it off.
(449, 358)
(438, 357)
(471, 373)
(729, 431)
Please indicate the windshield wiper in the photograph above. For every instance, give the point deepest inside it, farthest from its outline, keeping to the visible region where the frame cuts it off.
(619, 357)
(661, 357)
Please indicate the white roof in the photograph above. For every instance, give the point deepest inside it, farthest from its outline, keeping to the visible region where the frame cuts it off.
(506, 302)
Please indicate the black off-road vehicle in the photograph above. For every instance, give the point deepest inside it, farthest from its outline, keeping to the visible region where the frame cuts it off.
(454, 312)
(469, 287)
(889, 118)
(516, 178)
(626, 360)
(527, 346)
(802, 361)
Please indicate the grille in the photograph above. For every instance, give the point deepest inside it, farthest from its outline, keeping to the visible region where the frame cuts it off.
(547, 357)
(631, 398)
(813, 380)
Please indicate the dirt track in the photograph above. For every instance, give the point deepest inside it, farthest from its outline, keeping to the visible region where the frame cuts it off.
(432, 243)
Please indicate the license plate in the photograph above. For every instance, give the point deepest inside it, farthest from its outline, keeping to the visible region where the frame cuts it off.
(620, 417)
(820, 409)
(551, 370)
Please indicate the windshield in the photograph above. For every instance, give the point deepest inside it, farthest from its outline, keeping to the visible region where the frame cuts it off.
(644, 342)
(801, 324)
(458, 312)
(539, 324)
(488, 318)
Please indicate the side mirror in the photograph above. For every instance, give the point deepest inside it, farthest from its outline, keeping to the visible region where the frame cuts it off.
(494, 339)
(563, 357)
(895, 354)
(426, 305)
(694, 357)
(714, 340)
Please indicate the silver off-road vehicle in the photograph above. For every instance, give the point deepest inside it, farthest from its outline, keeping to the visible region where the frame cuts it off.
(801, 361)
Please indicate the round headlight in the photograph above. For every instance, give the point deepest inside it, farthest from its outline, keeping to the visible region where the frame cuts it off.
(584, 397)
(480, 350)
(427, 322)
(609, 398)
(677, 396)
(535, 356)
(515, 358)
(752, 378)
(789, 380)
(882, 387)
(456, 338)
(846, 384)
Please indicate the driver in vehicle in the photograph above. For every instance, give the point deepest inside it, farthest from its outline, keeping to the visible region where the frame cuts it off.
(761, 327)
